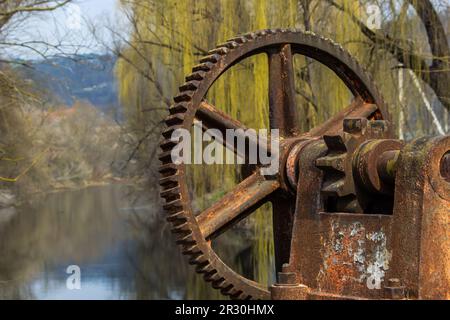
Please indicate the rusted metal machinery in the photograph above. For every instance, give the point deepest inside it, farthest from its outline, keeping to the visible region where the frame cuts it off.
(357, 214)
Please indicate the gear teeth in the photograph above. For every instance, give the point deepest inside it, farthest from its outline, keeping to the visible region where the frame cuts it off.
(219, 50)
(169, 182)
(180, 224)
(250, 36)
(178, 108)
(334, 187)
(234, 293)
(197, 259)
(217, 284)
(335, 143)
(337, 162)
(178, 216)
(230, 44)
(186, 239)
(190, 86)
(213, 58)
(239, 295)
(235, 42)
(261, 33)
(179, 221)
(175, 119)
(212, 277)
(184, 96)
(169, 169)
(205, 269)
(352, 206)
(170, 195)
(167, 144)
(170, 130)
(182, 228)
(191, 250)
(165, 156)
(205, 67)
(228, 290)
(197, 76)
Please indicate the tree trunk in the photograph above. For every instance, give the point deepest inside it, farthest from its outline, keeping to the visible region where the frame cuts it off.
(439, 71)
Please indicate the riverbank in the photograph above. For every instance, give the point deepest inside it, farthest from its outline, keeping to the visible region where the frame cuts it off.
(10, 199)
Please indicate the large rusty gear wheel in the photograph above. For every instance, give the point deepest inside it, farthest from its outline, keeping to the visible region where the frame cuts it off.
(194, 232)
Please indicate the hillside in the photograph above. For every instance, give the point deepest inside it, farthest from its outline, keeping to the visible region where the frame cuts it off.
(87, 78)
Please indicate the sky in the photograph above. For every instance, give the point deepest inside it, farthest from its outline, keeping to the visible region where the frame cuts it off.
(95, 7)
(68, 25)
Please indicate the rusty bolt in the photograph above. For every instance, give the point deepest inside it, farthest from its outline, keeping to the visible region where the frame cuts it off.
(287, 278)
(354, 125)
(379, 126)
(394, 289)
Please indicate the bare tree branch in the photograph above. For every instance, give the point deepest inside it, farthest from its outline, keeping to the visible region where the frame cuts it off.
(436, 75)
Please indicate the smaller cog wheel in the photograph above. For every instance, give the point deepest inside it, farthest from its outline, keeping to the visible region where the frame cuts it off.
(339, 188)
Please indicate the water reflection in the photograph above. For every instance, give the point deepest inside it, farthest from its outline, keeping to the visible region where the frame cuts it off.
(120, 241)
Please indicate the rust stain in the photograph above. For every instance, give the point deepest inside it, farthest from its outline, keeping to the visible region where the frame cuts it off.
(340, 253)
(353, 259)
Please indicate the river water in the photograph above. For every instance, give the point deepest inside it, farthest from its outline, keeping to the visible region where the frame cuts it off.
(119, 240)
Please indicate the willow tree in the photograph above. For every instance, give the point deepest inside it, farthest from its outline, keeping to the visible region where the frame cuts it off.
(408, 54)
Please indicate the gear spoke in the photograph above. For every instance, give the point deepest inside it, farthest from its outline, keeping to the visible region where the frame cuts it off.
(283, 111)
(236, 205)
(213, 118)
(357, 109)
